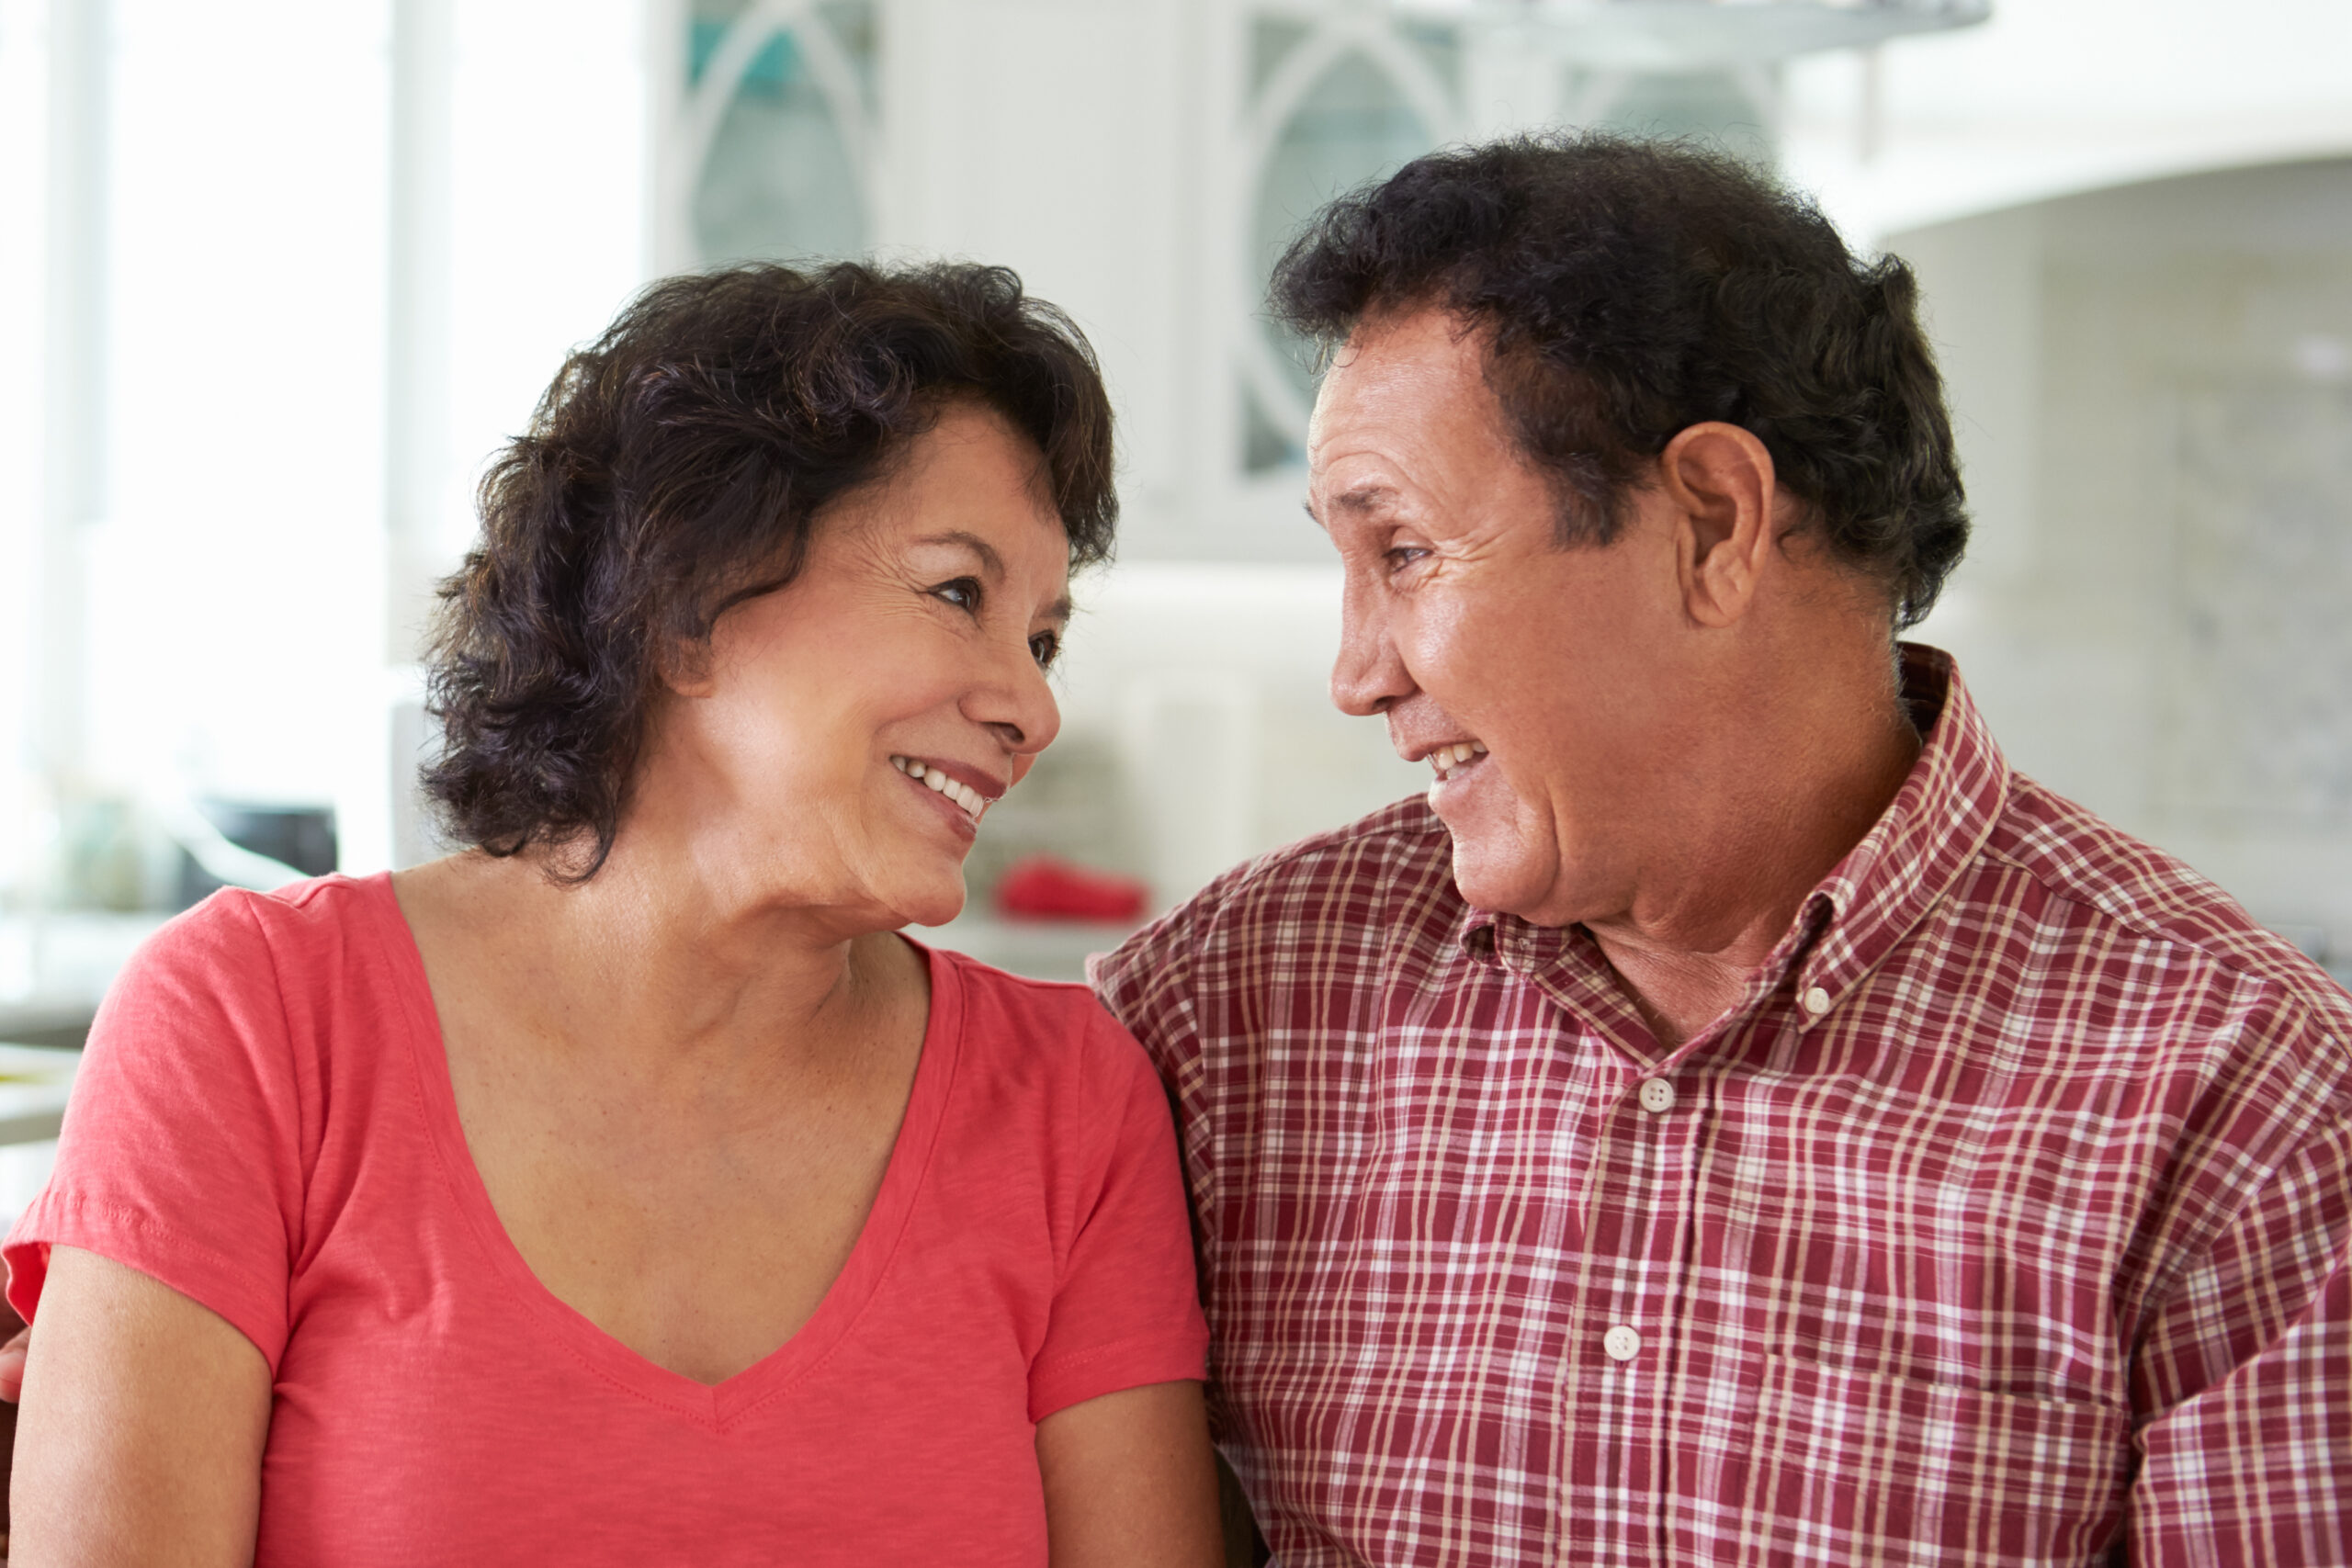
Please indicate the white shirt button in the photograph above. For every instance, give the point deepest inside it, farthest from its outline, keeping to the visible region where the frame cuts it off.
(1621, 1343)
(1658, 1096)
(1817, 1001)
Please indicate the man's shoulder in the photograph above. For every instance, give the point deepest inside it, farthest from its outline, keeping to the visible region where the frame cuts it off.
(1405, 835)
(1398, 855)
(1386, 876)
(2139, 892)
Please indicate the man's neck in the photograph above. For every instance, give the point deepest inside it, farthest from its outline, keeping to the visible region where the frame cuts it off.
(1685, 946)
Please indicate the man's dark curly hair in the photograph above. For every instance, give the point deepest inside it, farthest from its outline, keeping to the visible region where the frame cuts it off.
(677, 466)
(1632, 289)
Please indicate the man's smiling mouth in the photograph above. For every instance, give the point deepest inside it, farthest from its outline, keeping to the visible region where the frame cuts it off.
(1446, 758)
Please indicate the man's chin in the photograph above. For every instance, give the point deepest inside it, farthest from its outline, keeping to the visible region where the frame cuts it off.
(1500, 878)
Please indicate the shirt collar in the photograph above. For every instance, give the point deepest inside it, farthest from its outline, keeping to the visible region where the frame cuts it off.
(1870, 900)
(1917, 849)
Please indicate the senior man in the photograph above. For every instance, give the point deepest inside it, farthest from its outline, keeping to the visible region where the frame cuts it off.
(1735, 1118)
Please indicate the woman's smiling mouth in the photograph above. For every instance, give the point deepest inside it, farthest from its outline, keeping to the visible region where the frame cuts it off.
(970, 801)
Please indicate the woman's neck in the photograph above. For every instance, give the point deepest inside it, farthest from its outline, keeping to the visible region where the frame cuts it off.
(656, 959)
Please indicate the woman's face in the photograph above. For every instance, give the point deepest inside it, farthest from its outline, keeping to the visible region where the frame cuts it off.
(850, 731)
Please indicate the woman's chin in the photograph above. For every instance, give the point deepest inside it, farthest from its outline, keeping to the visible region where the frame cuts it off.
(933, 906)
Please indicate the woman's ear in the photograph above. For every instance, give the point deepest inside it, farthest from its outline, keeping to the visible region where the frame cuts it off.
(684, 665)
(1720, 481)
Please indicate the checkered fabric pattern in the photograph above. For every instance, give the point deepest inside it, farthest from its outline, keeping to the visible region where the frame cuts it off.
(2004, 1220)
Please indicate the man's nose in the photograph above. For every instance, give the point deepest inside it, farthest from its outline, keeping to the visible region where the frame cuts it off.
(1369, 676)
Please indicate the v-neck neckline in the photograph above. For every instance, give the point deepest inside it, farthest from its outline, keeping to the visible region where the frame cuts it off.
(852, 1291)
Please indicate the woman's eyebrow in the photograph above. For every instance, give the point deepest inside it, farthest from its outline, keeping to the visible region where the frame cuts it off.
(1058, 612)
(991, 562)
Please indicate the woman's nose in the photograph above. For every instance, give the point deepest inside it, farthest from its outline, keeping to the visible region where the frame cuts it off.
(1019, 706)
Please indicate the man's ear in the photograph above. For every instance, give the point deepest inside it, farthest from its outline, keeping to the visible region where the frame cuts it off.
(1720, 482)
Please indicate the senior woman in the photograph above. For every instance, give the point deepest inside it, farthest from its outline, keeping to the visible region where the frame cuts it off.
(622, 1189)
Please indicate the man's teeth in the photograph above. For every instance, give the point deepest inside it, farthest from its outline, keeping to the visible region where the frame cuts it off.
(1445, 759)
(963, 794)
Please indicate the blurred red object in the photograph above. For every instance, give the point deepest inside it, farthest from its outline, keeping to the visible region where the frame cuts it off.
(1042, 888)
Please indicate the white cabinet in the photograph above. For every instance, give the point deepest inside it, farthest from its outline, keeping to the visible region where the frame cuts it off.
(1140, 162)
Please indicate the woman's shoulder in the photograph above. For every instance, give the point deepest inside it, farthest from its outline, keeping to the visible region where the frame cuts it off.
(279, 937)
(202, 1106)
(244, 965)
(299, 911)
(1054, 1029)
(1047, 1079)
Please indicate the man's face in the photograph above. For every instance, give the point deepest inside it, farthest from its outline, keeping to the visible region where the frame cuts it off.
(1467, 625)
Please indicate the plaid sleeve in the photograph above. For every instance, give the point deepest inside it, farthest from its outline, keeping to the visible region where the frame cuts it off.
(1150, 984)
(2256, 1466)
(1147, 985)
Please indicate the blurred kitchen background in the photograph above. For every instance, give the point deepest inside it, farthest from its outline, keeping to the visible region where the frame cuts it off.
(277, 275)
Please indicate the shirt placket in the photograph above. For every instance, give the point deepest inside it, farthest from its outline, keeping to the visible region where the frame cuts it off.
(1638, 1231)
(1625, 1319)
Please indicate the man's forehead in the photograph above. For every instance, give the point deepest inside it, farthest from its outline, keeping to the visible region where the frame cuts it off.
(1403, 371)
(1408, 392)
(1360, 468)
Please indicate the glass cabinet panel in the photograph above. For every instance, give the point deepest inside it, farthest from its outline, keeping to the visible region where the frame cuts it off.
(1354, 121)
(781, 176)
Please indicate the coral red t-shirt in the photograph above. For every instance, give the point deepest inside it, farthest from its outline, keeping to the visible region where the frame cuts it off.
(263, 1121)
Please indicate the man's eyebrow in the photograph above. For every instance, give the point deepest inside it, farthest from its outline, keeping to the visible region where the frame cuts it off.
(1361, 500)
(1365, 498)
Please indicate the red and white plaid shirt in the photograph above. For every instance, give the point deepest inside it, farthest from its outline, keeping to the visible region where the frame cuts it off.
(2004, 1220)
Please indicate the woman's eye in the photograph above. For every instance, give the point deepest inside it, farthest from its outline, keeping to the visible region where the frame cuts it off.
(964, 593)
(1044, 647)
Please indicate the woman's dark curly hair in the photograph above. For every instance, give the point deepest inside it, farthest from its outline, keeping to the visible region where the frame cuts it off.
(677, 466)
(1634, 289)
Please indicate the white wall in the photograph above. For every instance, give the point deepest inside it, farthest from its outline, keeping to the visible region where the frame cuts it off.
(23, 158)
(2056, 96)
(2152, 391)
(231, 574)
(262, 330)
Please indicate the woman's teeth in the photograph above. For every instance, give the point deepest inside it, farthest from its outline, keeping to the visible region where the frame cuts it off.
(963, 794)
(1445, 759)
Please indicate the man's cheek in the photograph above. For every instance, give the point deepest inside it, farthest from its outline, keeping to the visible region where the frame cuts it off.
(1447, 661)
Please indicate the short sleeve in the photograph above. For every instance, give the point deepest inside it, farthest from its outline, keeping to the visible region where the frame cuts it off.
(179, 1155)
(1126, 1312)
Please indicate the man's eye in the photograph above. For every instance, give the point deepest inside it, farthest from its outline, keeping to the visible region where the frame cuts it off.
(1045, 648)
(1399, 556)
(964, 593)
